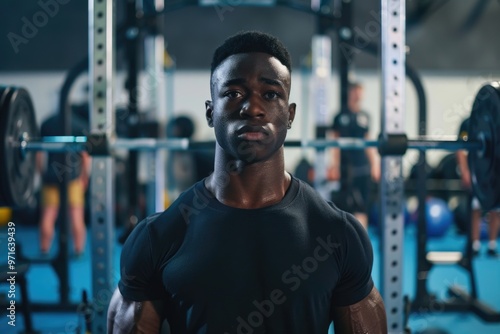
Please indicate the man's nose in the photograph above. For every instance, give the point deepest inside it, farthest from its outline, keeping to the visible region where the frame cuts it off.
(253, 107)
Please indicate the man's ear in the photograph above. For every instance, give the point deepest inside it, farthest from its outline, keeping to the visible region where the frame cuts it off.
(208, 113)
(291, 111)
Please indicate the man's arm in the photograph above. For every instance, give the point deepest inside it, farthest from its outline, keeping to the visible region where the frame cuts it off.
(39, 161)
(372, 155)
(86, 166)
(130, 317)
(464, 168)
(333, 172)
(366, 316)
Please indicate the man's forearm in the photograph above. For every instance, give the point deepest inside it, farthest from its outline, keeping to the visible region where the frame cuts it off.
(462, 162)
(130, 317)
(366, 317)
(371, 153)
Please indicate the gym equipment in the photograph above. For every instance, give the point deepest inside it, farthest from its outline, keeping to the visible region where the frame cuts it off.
(447, 168)
(460, 299)
(17, 169)
(462, 214)
(374, 216)
(486, 114)
(19, 141)
(447, 176)
(438, 216)
(429, 171)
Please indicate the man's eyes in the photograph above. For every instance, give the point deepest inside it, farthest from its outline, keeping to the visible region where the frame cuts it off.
(272, 95)
(233, 94)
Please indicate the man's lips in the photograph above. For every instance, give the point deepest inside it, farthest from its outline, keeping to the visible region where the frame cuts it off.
(252, 132)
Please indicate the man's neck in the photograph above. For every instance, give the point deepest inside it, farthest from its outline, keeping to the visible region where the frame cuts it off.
(355, 108)
(249, 186)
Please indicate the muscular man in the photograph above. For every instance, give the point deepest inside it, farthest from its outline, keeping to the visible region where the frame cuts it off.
(250, 249)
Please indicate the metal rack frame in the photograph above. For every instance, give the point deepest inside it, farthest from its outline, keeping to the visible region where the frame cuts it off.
(101, 51)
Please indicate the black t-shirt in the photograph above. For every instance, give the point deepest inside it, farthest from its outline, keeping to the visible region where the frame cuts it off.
(57, 163)
(355, 125)
(278, 269)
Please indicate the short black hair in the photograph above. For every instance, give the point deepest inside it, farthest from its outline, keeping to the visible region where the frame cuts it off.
(355, 84)
(251, 41)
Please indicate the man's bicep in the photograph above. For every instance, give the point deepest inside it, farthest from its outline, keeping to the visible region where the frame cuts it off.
(126, 316)
(355, 281)
(366, 316)
(139, 260)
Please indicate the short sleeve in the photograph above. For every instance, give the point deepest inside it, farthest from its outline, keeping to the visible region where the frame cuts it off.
(368, 122)
(356, 266)
(140, 279)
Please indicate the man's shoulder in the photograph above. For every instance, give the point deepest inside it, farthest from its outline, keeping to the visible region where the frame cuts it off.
(311, 198)
(465, 123)
(179, 211)
(464, 129)
(164, 231)
(337, 117)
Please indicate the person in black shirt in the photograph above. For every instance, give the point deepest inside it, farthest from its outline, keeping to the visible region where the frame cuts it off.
(77, 167)
(494, 216)
(353, 168)
(249, 249)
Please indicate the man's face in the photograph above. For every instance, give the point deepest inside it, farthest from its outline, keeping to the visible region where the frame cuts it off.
(249, 109)
(355, 97)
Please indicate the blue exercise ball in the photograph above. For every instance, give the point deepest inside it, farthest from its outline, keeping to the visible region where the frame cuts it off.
(439, 217)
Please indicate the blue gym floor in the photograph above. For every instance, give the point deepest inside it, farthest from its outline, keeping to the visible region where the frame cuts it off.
(43, 285)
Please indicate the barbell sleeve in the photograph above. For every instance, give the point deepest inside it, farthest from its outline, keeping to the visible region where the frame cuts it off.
(449, 145)
(55, 144)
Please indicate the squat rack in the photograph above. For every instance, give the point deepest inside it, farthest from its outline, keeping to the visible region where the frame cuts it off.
(101, 78)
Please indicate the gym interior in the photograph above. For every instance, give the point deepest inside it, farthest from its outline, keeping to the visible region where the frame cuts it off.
(157, 58)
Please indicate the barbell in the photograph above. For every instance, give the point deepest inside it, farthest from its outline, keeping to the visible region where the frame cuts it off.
(19, 134)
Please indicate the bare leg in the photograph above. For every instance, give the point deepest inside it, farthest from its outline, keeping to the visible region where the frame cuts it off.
(47, 225)
(493, 228)
(78, 229)
(475, 229)
(363, 219)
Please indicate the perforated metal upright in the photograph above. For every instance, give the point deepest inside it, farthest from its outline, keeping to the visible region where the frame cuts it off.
(154, 49)
(321, 72)
(101, 73)
(391, 185)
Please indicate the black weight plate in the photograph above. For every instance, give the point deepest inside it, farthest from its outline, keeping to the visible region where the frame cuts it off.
(17, 170)
(4, 93)
(485, 165)
(447, 168)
